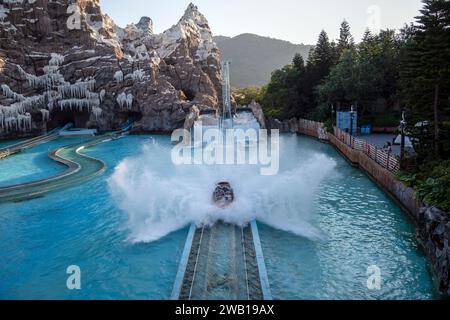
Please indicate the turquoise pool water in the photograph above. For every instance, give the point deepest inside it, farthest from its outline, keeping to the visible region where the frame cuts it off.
(322, 224)
(361, 227)
(7, 143)
(82, 226)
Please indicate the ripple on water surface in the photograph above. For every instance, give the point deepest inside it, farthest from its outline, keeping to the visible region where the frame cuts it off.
(82, 226)
(360, 226)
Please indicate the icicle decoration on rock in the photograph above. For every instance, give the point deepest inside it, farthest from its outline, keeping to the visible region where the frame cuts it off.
(24, 122)
(102, 95)
(11, 124)
(51, 78)
(80, 89)
(51, 69)
(79, 96)
(15, 117)
(97, 112)
(2, 118)
(138, 75)
(45, 115)
(56, 60)
(78, 104)
(124, 99)
(118, 76)
(7, 92)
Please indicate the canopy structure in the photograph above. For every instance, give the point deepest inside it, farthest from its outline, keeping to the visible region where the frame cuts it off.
(422, 124)
(408, 143)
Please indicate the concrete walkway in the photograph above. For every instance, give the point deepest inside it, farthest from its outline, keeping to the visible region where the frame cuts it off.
(380, 140)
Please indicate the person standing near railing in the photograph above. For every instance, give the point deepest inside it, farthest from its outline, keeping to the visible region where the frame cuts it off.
(389, 149)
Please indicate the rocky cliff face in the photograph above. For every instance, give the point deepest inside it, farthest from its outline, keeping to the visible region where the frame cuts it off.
(63, 61)
(433, 231)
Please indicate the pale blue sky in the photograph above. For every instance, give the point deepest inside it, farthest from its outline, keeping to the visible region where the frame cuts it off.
(298, 21)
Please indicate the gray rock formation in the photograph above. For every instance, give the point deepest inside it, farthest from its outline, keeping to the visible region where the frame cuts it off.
(63, 61)
(433, 231)
(285, 126)
(275, 124)
(258, 113)
(146, 25)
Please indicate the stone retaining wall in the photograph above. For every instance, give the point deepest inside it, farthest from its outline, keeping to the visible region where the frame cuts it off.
(351, 154)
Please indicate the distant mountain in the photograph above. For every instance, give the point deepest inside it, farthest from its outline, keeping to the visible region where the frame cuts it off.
(254, 58)
(221, 39)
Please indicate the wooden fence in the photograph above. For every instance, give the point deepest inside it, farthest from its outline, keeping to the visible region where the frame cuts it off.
(383, 158)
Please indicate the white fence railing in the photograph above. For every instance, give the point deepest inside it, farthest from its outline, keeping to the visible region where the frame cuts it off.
(383, 158)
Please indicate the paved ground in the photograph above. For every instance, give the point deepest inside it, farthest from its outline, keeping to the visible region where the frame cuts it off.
(380, 140)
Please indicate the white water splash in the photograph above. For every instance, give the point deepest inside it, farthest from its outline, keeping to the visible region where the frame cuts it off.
(161, 198)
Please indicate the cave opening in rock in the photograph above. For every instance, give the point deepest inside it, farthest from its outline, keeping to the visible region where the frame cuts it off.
(190, 95)
(60, 118)
(131, 116)
(170, 61)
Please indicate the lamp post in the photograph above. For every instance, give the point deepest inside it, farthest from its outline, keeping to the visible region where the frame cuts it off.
(402, 145)
(332, 115)
(352, 115)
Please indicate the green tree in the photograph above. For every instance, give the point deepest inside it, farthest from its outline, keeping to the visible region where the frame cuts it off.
(341, 86)
(291, 90)
(425, 75)
(345, 38)
(366, 76)
(321, 59)
(281, 97)
(367, 36)
(245, 96)
(299, 62)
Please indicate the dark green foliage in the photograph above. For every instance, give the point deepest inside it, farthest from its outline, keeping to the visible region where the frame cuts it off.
(366, 76)
(291, 91)
(343, 74)
(345, 38)
(321, 60)
(245, 96)
(299, 62)
(281, 95)
(383, 75)
(431, 182)
(383, 120)
(425, 76)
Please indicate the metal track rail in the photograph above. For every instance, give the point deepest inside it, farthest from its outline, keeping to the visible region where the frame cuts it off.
(224, 261)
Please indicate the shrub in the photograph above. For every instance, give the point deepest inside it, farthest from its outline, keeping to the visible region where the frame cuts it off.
(431, 182)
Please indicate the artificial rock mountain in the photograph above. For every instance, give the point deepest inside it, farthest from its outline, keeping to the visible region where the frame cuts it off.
(64, 61)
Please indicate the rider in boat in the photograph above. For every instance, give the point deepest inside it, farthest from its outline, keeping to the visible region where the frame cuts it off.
(223, 195)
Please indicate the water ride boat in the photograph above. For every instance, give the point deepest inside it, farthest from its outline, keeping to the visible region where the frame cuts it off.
(223, 195)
